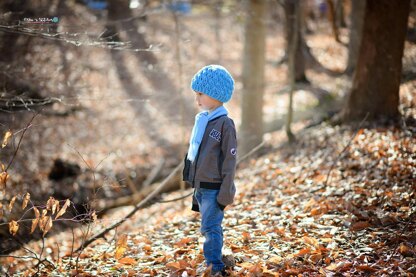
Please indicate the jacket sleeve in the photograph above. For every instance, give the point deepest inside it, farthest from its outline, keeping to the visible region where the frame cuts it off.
(195, 205)
(229, 153)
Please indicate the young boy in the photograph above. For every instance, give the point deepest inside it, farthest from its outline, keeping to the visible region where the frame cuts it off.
(210, 163)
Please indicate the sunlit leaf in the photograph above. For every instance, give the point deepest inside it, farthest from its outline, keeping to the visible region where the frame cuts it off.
(207, 272)
(405, 250)
(160, 260)
(311, 241)
(13, 227)
(275, 259)
(4, 176)
(246, 237)
(50, 203)
(36, 212)
(366, 268)
(181, 264)
(55, 206)
(42, 220)
(127, 261)
(332, 266)
(360, 225)
(303, 252)
(121, 246)
(26, 199)
(45, 224)
(63, 209)
(34, 224)
(6, 138)
(359, 134)
(256, 270)
(246, 265)
(94, 216)
(11, 203)
(183, 242)
(315, 211)
(315, 258)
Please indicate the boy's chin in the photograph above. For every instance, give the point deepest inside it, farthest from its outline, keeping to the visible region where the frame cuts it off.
(203, 109)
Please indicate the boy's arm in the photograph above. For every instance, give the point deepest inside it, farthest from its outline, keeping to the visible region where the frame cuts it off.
(229, 151)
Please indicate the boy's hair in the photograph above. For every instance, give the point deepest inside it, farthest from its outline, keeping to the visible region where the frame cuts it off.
(214, 81)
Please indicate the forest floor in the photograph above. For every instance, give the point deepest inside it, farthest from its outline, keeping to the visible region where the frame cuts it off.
(119, 117)
(341, 201)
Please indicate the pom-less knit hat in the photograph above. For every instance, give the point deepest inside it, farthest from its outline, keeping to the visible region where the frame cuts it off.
(214, 81)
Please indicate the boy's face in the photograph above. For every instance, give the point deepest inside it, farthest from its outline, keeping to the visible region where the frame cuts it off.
(205, 102)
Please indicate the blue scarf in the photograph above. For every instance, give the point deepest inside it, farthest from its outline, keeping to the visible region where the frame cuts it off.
(201, 122)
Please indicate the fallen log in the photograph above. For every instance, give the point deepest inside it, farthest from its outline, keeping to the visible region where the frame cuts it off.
(157, 188)
(169, 185)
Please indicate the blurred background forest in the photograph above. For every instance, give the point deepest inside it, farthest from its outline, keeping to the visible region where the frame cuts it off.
(95, 101)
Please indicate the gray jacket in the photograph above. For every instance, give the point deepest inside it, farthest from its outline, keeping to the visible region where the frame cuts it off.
(215, 163)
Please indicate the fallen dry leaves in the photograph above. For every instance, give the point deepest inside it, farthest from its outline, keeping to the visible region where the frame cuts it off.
(285, 221)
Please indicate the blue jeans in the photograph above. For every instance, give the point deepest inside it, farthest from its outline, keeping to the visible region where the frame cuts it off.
(211, 219)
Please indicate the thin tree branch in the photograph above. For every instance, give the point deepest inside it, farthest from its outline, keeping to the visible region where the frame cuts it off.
(252, 151)
(132, 212)
(20, 140)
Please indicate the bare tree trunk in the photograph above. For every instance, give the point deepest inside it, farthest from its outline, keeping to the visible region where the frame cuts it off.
(218, 40)
(251, 132)
(331, 17)
(376, 81)
(289, 6)
(292, 56)
(340, 14)
(356, 30)
(181, 91)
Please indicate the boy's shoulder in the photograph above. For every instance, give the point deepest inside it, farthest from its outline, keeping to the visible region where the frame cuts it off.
(226, 121)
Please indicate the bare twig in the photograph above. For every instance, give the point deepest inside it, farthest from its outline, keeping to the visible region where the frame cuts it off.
(149, 197)
(40, 256)
(72, 248)
(16, 257)
(84, 238)
(20, 140)
(57, 245)
(252, 151)
(154, 173)
(132, 212)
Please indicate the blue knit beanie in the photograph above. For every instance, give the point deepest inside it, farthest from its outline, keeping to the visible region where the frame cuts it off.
(214, 81)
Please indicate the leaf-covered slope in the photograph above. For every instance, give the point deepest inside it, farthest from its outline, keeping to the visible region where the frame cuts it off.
(290, 216)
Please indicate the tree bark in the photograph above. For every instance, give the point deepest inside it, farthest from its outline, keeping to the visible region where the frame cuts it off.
(356, 30)
(251, 132)
(340, 14)
(376, 82)
(332, 18)
(289, 7)
(291, 69)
